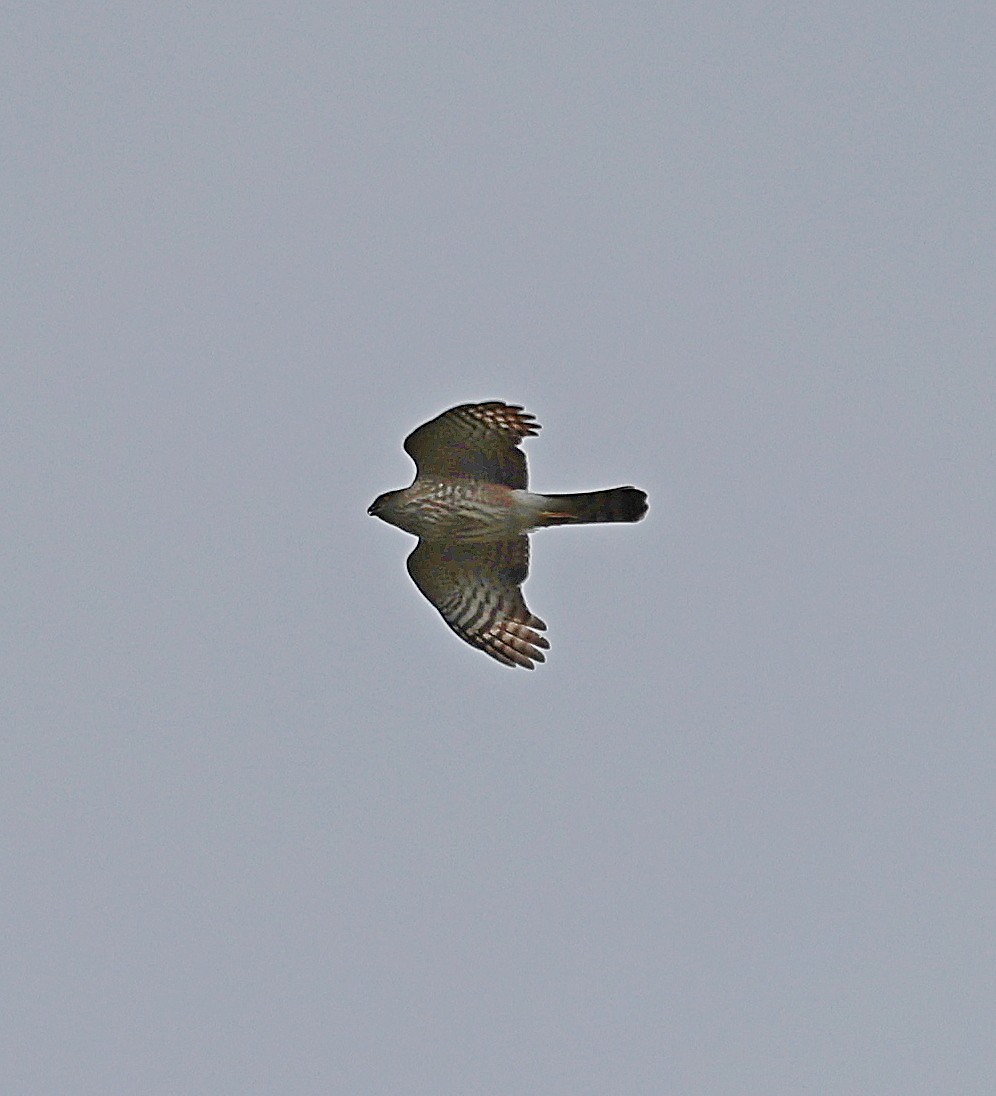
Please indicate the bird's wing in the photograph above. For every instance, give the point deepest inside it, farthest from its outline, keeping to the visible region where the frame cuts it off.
(475, 440)
(475, 587)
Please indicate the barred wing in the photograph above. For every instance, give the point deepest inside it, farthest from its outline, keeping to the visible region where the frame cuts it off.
(475, 587)
(477, 440)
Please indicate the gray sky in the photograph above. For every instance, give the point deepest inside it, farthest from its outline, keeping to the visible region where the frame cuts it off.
(268, 825)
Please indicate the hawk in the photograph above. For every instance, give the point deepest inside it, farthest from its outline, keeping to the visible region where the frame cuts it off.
(471, 511)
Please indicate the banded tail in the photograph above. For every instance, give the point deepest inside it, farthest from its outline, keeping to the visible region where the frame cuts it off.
(589, 507)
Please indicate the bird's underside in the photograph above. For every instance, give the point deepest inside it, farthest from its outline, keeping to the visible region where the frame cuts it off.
(470, 507)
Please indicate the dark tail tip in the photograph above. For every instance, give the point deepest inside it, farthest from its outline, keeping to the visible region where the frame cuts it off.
(629, 503)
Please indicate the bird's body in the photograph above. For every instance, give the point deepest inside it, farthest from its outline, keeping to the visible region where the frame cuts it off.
(471, 509)
(457, 509)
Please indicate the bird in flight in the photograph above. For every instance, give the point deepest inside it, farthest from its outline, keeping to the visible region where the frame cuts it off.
(471, 511)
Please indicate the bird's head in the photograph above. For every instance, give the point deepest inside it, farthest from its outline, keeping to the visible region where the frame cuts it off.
(396, 509)
(381, 505)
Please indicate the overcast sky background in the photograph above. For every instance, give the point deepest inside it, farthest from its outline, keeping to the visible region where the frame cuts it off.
(268, 826)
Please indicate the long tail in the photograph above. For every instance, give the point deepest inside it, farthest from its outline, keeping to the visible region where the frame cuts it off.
(615, 504)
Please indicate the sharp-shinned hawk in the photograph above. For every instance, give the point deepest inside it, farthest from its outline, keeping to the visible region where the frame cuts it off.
(471, 511)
